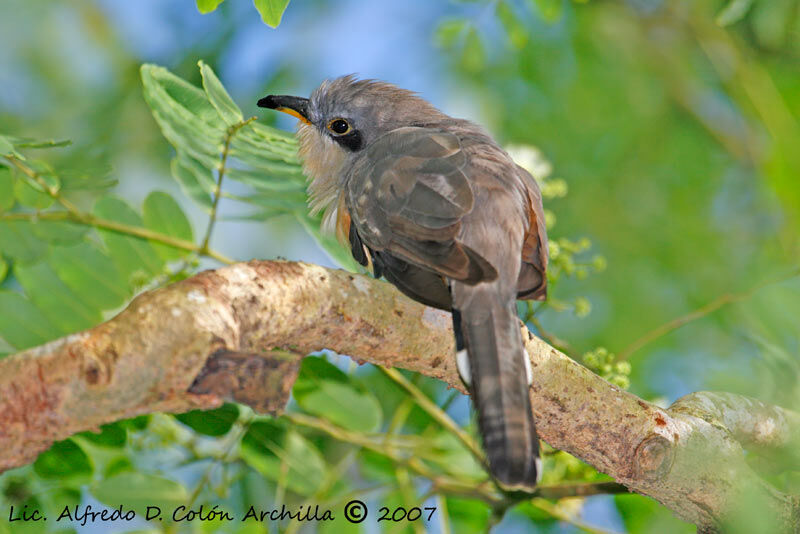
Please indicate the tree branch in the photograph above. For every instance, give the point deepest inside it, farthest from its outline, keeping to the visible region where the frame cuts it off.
(239, 333)
(757, 426)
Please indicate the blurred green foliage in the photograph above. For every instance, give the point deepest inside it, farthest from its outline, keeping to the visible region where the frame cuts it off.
(271, 11)
(674, 244)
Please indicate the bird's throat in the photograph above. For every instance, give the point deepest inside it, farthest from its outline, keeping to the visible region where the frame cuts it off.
(323, 161)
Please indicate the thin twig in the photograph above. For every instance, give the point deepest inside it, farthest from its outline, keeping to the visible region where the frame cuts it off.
(553, 339)
(711, 307)
(481, 490)
(580, 489)
(436, 413)
(232, 439)
(73, 214)
(114, 226)
(485, 491)
(36, 177)
(444, 523)
(401, 472)
(331, 478)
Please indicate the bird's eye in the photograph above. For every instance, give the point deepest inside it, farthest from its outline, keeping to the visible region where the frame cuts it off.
(339, 126)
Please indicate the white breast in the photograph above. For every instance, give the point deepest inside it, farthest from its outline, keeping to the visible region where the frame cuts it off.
(322, 160)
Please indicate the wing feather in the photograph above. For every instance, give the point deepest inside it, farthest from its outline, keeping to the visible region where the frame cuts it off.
(407, 194)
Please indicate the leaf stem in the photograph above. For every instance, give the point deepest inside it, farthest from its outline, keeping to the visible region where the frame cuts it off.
(226, 147)
(551, 338)
(74, 214)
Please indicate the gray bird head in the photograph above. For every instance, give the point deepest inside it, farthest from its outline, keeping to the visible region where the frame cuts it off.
(342, 117)
(354, 112)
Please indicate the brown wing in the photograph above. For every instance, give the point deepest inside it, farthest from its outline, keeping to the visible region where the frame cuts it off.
(407, 194)
(532, 282)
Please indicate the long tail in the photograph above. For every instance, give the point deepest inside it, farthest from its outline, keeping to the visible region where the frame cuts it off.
(486, 325)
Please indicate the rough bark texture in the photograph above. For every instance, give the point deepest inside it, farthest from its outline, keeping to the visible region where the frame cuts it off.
(236, 333)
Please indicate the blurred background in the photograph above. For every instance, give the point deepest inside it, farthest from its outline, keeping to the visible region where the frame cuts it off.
(672, 130)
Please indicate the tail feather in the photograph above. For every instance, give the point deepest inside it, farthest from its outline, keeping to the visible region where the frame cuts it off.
(489, 328)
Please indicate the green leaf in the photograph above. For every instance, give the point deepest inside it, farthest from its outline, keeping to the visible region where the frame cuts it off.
(210, 422)
(3, 269)
(517, 32)
(467, 515)
(138, 491)
(262, 164)
(392, 395)
(644, 516)
(27, 142)
(335, 250)
(6, 189)
(112, 435)
(131, 255)
(186, 117)
(346, 527)
(219, 97)
(163, 214)
(473, 56)
(285, 202)
(59, 232)
(89, 272)
(550, 10)
(86, 169)
(260, 158)
(117, 466)
(64, 459)
(90, 176)
(733, 12)
(60, 497)
(137, 423)
(174, 92)
(268, 445)
(449, 31)
(267, 182)
(18, 241)
(195, 180)
(65, 308)
(322, 389)
(192, 137)
(45, 177)
(271, 11)
(262, 215)
(7, 148)
(377, 467)
(207, 6)
(277, 141)
(454, 457)
(22, 324)
(32, 197)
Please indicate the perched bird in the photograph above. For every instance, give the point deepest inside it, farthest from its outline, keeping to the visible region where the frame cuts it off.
(441, 211)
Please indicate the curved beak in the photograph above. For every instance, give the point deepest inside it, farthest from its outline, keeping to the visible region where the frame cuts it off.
(293, 105)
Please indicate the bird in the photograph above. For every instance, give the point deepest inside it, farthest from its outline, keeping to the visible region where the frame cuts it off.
(440, 210)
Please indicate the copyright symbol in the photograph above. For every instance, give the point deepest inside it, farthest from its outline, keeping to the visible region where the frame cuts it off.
(355, 511)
